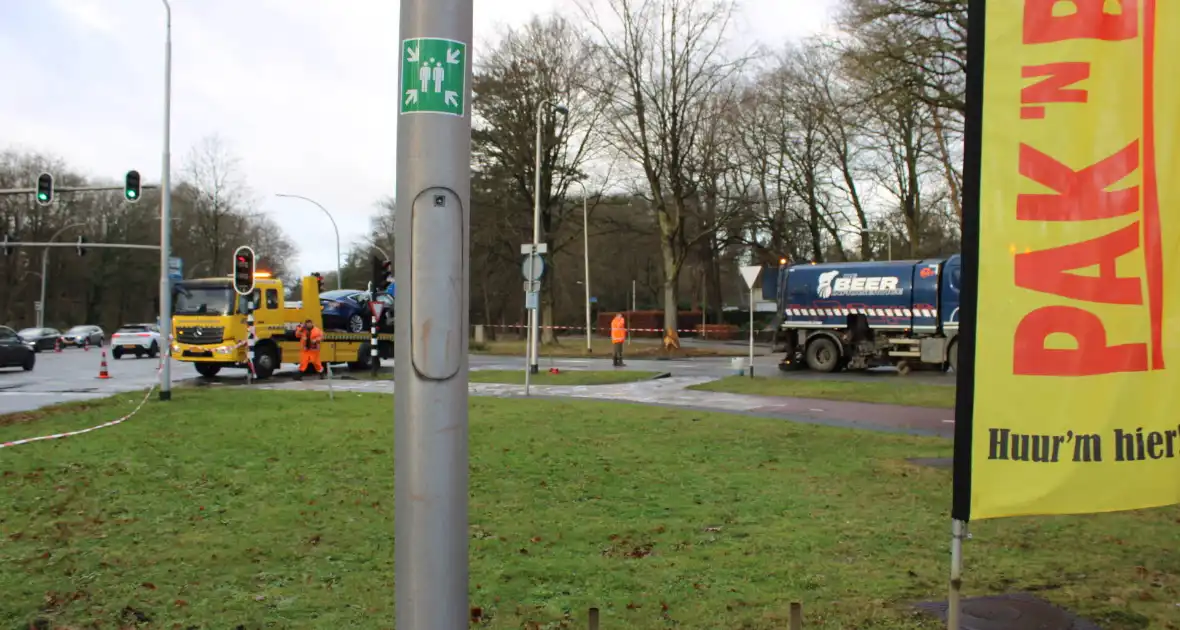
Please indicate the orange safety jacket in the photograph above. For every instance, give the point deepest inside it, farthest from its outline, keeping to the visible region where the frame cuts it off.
(309, 343)
(618, 329)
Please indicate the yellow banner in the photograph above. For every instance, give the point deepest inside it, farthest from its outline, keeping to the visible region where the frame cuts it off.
(1077, 366)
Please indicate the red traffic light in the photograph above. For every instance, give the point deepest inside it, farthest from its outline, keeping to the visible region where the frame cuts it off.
(244, 271)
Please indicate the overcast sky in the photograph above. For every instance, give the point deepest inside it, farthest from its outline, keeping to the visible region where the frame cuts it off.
(301, 91)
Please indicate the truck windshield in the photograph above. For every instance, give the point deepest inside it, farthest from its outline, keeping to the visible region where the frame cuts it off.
(203, 300)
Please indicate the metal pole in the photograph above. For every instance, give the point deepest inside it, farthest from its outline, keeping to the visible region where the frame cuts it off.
(631, 315)
(336, 229)
(165, 315)
(44, 271)
(953, 608)
(535, 314)
(751, 332)
(586, 264)
(431, 366)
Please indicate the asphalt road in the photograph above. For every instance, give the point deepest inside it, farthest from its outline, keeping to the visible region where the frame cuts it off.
(73, 374)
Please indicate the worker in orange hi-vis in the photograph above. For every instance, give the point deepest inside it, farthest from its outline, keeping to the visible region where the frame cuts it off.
(618, 335)
(309, 337)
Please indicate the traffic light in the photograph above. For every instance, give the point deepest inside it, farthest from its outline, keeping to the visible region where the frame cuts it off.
(81, 249)
(319, 281)
(44, 189)
(382, 275)
(131, 188)
(244, 270)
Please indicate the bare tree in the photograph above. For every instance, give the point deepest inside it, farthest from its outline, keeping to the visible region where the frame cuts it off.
(545, 61)
(214, 201)
(661, 65)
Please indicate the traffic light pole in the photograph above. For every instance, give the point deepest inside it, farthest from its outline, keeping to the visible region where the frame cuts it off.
(87, 245)
(433, 271)
(74, 189)
(166, 215)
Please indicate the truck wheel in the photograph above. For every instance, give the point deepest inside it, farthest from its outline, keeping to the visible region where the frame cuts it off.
(266, 361)
(823, 355)
(207, 370)
(952, 356)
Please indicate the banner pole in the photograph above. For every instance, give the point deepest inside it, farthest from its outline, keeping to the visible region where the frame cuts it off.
(953, 610)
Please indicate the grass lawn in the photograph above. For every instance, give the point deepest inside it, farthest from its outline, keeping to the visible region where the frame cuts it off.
(891, 392)
(564, 377)
(235, 508)
(639, 348)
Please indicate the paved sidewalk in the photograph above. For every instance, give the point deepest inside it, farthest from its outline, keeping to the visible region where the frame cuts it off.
(673, 392)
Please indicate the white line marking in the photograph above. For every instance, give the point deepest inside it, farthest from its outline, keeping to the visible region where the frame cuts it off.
(948, 421)
(819, 410)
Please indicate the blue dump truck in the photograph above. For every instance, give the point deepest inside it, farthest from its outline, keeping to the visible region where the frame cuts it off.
(855, 316)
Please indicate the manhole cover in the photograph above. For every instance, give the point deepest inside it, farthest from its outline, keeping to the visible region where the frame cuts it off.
(1016, 611)
(933, 462)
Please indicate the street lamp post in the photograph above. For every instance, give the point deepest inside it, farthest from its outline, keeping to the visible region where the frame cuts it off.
(534, 314)
(337, 230)
(586, 263)
(45, 272)
(165, 315)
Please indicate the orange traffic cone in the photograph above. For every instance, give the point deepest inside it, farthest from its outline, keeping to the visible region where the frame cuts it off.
(57, 345)
(102, 368)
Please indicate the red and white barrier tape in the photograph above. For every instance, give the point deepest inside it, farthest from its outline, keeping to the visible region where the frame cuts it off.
(605, 329)
(88, 430)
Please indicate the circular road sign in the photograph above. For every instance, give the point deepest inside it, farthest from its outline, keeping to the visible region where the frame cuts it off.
(533, 267)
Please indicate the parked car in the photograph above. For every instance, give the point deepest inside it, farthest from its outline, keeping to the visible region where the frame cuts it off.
(348, 310)
(14, 351)
(82, 335)
(138, 339)
(40, 338)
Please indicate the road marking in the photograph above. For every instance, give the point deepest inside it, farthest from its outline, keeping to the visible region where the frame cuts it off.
(819, 410)
(948, 421)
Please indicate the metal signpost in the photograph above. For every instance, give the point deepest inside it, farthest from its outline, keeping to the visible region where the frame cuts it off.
(433, 267)
(532, 269)
(750, 274)
(532, 296)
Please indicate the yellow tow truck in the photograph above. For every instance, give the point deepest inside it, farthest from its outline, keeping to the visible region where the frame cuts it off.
(209, 327)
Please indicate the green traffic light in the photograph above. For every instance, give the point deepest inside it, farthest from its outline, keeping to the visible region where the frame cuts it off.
(42, 196)
(131, 194)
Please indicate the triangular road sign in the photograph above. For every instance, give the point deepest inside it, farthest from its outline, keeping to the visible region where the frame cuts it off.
(750, 274)
(376, 306)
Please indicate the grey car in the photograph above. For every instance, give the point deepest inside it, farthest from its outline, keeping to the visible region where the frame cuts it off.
(83, 335)
(14, 352)
(40, 338)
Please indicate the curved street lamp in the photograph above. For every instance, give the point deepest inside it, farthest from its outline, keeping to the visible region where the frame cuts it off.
(337, 230)
(534, 314)
(45, 272)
